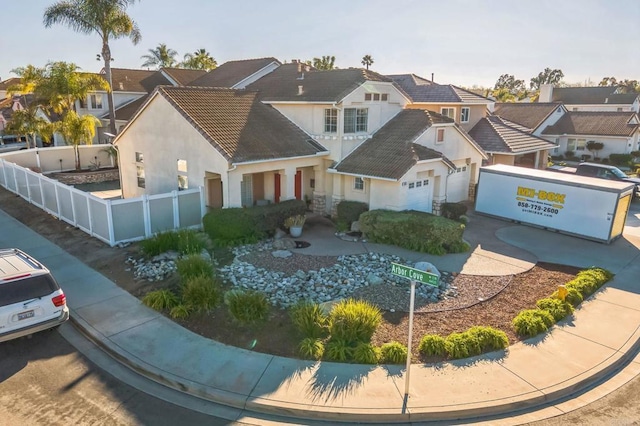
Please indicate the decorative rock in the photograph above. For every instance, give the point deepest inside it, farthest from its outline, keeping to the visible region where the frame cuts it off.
(355, 226)
(281, 253)
(284, 244)
(279, 234)
(428, 267)
(205, 255)
(373, 279)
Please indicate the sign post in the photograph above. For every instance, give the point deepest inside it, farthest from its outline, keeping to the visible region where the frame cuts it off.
(425, 278)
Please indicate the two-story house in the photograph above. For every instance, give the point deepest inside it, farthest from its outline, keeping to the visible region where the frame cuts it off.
(608, 98)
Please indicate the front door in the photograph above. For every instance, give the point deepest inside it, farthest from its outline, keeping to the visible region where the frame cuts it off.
(214, 192)
(276, 189)
(298, 185)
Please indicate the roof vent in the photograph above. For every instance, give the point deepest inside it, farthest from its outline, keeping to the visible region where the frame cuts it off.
(300, 90)
(121, 86)
(301, 77)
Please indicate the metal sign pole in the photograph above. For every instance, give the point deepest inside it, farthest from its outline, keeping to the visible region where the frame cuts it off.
(408, 369)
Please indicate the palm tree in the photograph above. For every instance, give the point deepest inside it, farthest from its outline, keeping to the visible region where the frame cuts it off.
(77, 130)
(367, 61)
(160, 57)
(325, 63)
(107, 18)
(28, 122)
(199, 60)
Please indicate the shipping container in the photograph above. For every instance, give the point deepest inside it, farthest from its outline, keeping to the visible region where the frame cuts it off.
(582, 206)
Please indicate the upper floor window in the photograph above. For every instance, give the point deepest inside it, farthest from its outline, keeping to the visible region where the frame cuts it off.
(330, 120)
(448, 112)
(358, 184)
(376, 97)
(139, 157)
(183, 180)
(464, 114)
(355, 120)
(440, 135)
(95, 101)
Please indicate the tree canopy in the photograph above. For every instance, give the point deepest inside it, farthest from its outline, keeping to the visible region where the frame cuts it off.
(325, 63)
(160, 57)
(548, 76)
(367, 61)
(624, 86)
(199, 60)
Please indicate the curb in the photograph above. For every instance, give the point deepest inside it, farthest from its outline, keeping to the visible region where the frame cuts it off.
(257, 406)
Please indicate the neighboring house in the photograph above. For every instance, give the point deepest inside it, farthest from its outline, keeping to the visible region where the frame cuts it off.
(464, 107)
(534, 116)
(241, 150)
(618, 131)
(237, 74)
(298, 133)
(510, 143)
(20, 102)
(591, 98)
(181, 76)
(5, 84)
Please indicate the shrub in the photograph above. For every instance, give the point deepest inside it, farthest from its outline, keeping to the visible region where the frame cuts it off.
(247, 306)
(569, 154)
(160, 243)
(488, 338)
(366, 353)
(160, 299)
(532, 322)
(194, 265)
(453, 211)
(180, 311)
(229, 227)
(354, 320)
(201, 293)
(417, 231)
(393, 353)
(461, 345)
(558, 309)
(311, 348)
(339, 350)
(309, 319)
(350, 211)
(621, 159)
(190, 241)
(585, 284)
(432, 344)
(573, 296)
(600, 274)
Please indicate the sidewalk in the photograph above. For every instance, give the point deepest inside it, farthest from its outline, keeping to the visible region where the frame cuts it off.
(603, 336)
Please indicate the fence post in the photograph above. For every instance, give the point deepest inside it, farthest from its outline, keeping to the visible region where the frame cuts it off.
(4, 173)
(176, 210)
(89, 215)
(146, 214)
(15, 180)
(55, 187)
(73, 207)
(26, 179)
(203, 202)
(112, 238)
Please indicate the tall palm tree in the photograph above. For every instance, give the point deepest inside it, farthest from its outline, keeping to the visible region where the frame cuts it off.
(199, 60)
(367, 61)
(160, 57)
(107, 18)
(77, 130)
(28, 122)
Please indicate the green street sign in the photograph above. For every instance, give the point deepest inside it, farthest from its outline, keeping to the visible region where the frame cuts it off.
(414, 274)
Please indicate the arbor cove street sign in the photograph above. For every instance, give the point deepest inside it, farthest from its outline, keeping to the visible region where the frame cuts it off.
(414, 274)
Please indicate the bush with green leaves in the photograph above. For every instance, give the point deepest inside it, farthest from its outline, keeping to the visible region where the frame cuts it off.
(160, 299)
(462, 345)
(354, 321)
(180, 311)
(190, 241)
(413, 230)
(194, 265)
(621, 159)
(247, 306)
(184, 241)
(559, 309)
(432, 345)
(309, 319)
(311, 348)
(230, 227)
(488, 339)
(338, 350)
(531, 322)
(366, 353)
(453, 211)
(585, 284)
(201, 293)
(350, 211)
(573, 296)
(393, 353)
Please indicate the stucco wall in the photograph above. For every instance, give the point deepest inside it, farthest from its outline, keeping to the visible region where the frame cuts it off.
(611, 145)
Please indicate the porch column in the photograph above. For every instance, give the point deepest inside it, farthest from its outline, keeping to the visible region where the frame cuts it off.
(537, 161)
(338, 194)
(319, 193)
(231, 192)
(289, 190)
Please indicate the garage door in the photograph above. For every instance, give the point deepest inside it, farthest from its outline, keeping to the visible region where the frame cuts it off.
(458, 185)
(418, 195)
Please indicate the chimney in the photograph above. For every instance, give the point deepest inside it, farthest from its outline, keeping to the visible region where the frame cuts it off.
(432, 78)
(299, 67)
(300, 90)
(546, 93)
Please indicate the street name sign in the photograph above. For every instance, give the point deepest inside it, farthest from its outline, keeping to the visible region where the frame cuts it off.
(414, 274)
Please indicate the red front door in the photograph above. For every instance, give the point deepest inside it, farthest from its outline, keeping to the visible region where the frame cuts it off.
(298, 185)
(276, 189)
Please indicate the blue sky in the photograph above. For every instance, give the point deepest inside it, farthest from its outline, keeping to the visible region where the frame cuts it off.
(463, 42)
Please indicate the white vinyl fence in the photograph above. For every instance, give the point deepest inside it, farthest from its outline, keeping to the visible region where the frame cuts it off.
(112, 221)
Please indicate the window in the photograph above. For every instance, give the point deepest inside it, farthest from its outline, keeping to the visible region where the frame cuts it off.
(376, 97)
(139, 157)
(464, 115)
(367, 96)
(358, 184)
(140, 175)
(182, 166)
(440, 136)
(183, 180)
(95, 101)
(576, 144)
(448, 112)
(331, 120)
(355, 120)
(384, 97)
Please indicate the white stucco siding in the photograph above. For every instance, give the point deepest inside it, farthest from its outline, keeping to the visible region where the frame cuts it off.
(385, 195)
(612, 145)
(379, 112)
(164, 136)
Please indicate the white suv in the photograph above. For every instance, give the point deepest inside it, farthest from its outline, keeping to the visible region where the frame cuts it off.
(30, 298)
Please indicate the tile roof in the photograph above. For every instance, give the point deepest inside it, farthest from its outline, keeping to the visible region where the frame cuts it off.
(183, 76)
(143, 81)
(422, 90)
(494, 134)
(238, 125)
(594, 123)
(127, 111)
(5, 84)
(232, 72)
(591, 96)
(282, 85)
(391, 152)
(529, 115)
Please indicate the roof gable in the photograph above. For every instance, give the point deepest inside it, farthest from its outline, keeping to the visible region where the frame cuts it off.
(594, 123)
(493, 134)
(183, 76)
(421, 90)
(232, 72)
(238, 125)
(529, 115)
(141, 81)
